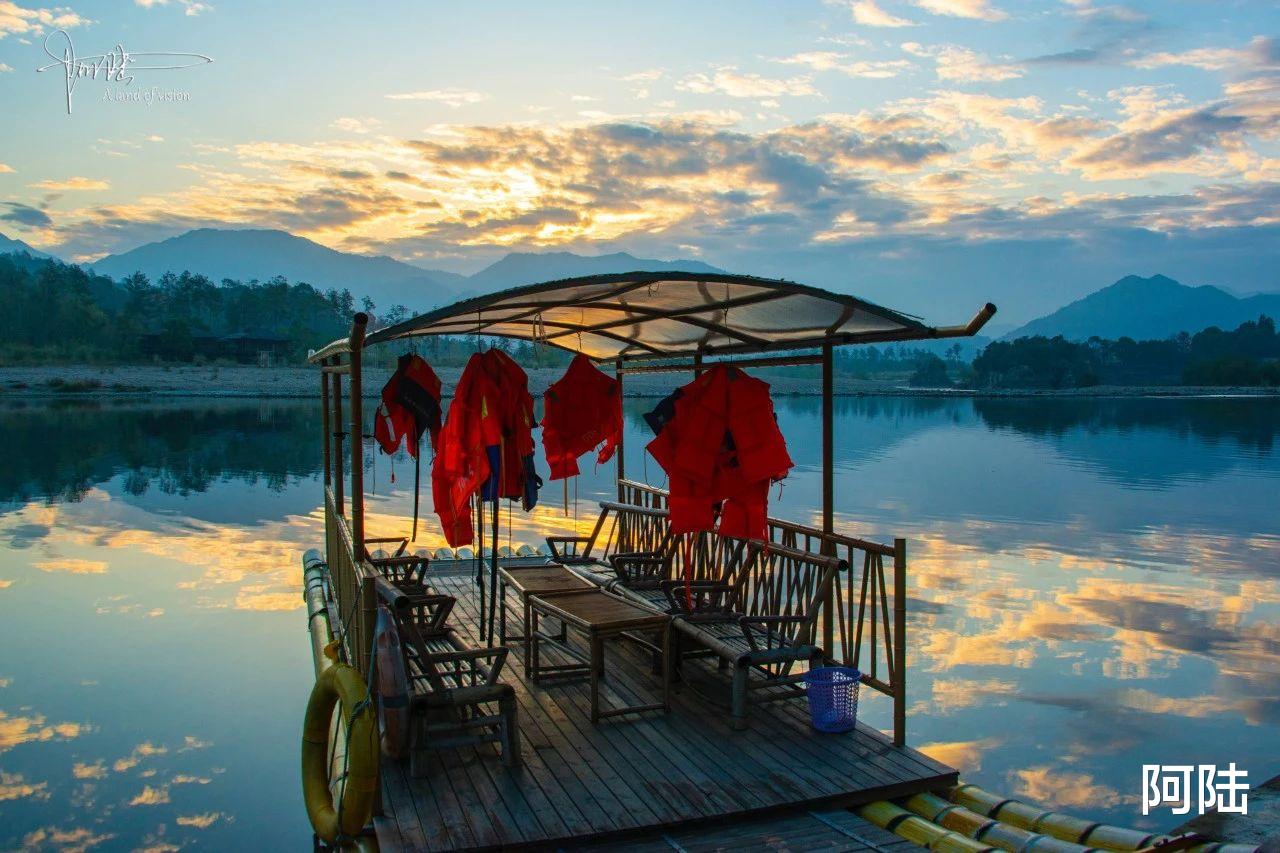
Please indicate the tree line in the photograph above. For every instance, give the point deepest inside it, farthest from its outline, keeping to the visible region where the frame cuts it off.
(1247, 355)
(56, 312)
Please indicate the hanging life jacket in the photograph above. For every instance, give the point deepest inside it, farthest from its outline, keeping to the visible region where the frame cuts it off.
(485, 445)
(721, 448)
(581, 411)
(410, 407)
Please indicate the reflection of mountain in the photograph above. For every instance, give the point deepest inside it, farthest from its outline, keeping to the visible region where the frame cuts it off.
(866, 427)
(58, 451)
(1152, 441)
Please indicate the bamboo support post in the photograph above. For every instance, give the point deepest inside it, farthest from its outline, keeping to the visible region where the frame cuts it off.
(325, 429)
(900, 642)
(338, 464)
(621, 452)
(357, 442)
(828, 494)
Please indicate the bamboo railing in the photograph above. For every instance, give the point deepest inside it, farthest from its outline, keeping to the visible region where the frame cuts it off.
(865, 614)
(354, 592)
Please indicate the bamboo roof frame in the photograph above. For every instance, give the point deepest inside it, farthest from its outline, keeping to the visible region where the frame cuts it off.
(645, 316)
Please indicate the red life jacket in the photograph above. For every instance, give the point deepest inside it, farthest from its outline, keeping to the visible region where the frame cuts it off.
(721, 450)
(410, 406)
(490, 418)
(580, 412)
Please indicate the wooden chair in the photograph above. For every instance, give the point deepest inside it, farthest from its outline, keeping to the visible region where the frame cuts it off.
(761, 619)
(619, 529)
(456, 697)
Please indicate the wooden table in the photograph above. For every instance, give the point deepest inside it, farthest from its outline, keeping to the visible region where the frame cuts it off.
(532, 580)
(598, 616)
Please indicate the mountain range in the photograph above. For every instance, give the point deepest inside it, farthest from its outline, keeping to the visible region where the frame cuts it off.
(1141, 308)
(1149, 309)
(11, 246)
(245, 254)
(260, 254)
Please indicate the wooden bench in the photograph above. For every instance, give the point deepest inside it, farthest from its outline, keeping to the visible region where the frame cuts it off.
(620, 530)
(754, 606)
(455, 695)
(761, 618)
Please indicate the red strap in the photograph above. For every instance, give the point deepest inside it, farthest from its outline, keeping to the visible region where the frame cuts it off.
(688, 572)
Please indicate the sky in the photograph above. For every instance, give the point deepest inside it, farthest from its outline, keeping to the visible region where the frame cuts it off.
(929, 154)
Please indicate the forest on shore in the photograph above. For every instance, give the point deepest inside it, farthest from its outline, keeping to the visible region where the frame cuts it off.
(56, 313)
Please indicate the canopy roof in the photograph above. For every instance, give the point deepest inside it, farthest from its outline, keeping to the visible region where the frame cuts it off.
(646, 315)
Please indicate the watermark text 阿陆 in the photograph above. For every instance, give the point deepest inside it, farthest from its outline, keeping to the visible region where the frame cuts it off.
(1178, 785)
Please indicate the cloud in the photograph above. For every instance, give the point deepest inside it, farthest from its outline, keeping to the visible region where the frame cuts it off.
(980, 10)
(75, 840)
(869, 14)
(17, 730)
(187, 779)
(191, 8)
(1057, 787)
(22, 21)
(449, 97)
(81, 770)
(13, 786)
(146, 749)
(1109, 34)
(960, 64)
(828, 60)
(199, 821)
(4, 68)
(73, 566)
(5, 168)
(1162, 135)
(150, 796)
(966, 755)
(1261, 54)
(71, 184)
(26, 215)
(736, 84)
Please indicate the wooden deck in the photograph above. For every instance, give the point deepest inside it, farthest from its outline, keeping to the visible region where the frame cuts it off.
(646, 779)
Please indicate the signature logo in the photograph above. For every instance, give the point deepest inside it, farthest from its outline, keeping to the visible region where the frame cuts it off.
(1176, 785)
(113, 67)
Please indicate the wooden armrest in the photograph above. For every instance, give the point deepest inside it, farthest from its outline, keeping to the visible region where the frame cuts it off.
(704, 593)
(637, 557)
(497, 655)
(382, 540)
(436, 609)
(746, 622)
(556, 553)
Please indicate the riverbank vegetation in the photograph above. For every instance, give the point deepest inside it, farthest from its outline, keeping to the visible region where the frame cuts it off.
(58, 313)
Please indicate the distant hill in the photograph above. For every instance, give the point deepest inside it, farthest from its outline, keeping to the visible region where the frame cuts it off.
(532, 267)
(261, 254)
(9, 245)
(1149, 309)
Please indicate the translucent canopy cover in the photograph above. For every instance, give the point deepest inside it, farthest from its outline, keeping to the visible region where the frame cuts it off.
(665, 314)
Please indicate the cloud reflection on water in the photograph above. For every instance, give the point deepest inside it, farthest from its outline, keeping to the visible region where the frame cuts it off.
(1094, 585)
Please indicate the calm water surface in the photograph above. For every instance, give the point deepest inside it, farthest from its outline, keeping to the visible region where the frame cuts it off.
(1095, 585)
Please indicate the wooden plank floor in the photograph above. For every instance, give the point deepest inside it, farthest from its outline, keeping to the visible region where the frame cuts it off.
(627, 777)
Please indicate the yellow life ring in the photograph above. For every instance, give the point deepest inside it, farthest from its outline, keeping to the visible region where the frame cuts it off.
(339, 685)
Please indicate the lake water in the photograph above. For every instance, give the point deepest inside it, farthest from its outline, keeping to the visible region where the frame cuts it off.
(1095, 585)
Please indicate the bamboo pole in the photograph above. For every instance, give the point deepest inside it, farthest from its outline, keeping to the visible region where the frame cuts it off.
(621, 452)
(900, 642)
(357, 433)
(325, 429)
(338, 464)
(828, 493)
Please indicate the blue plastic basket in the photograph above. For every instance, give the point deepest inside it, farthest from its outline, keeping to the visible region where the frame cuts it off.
(833, 697)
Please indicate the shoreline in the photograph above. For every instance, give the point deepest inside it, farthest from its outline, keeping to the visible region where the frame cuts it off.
(251, 382)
